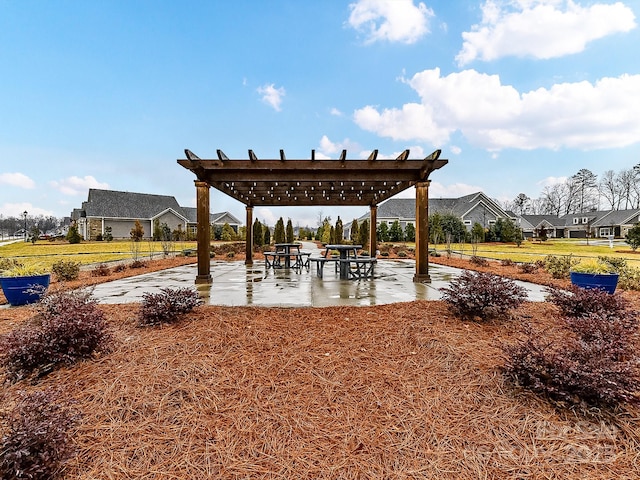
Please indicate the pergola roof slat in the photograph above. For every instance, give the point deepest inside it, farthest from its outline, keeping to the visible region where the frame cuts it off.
(284, 182)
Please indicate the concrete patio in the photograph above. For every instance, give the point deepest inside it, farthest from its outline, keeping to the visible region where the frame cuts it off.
(235, 283)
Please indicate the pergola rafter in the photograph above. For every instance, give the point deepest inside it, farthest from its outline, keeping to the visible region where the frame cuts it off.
(311, 182)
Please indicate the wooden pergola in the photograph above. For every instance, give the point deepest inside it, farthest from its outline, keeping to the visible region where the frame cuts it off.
(312, 182)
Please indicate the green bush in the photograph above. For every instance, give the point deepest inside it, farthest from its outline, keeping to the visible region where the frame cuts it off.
(559, 266)
(66, 270)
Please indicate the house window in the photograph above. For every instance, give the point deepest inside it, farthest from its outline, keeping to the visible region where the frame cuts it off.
(575, 221)
(492, 222)
(605, 232)
(585, 220)
(467, 222)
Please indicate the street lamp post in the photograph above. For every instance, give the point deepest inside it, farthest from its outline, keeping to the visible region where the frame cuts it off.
(25, 225)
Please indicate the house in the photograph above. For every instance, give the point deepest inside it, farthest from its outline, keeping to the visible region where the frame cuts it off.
(598, 224)
(471, 209)
(533, 225)
(120, 210)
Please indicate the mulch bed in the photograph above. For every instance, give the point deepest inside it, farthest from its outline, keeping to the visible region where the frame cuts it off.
(393, 391)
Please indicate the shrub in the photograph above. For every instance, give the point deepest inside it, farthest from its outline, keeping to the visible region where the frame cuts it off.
(231, 254)
(483, 295)
(69, 327)
(137, 264)
(121, 267)
(528, 267)
(559, 266)
(9, 264)
(576, 301)
(595, 363)
(37, 441)
(167, 306)
(66, 270)
(479, 261)
(101, 270)
(507, 262)
(402, 254)
(629, 278)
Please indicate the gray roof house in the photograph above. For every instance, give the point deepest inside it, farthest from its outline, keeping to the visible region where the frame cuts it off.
(476, 207)
(120, 210)
(601, 224)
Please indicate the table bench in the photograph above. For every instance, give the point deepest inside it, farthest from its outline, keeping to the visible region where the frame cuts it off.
(274, 259)
(357, 268)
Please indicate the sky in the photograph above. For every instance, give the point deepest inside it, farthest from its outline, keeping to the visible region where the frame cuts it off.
(517, 94)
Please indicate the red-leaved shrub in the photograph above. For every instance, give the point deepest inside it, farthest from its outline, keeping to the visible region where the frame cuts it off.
(167, 306)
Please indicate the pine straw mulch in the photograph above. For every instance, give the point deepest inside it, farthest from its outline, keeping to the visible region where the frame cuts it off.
(393, 391)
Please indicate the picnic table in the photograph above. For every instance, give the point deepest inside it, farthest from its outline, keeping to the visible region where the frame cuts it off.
(283, 255)
(347, 263)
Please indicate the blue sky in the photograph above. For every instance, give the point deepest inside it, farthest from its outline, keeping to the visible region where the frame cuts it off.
(107, 94)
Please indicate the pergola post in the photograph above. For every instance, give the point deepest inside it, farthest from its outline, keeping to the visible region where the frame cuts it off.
(373, 237)
(249, 237)
(203, 232)
(422, 232)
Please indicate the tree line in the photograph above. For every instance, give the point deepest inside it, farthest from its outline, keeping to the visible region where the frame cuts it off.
(583, 192)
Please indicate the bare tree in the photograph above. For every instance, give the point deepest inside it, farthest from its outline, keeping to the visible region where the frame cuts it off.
(521, 204)
(585, 183)
(609, 189)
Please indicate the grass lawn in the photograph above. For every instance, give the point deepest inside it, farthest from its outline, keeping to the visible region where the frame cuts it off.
(46, 253)
(532, 251)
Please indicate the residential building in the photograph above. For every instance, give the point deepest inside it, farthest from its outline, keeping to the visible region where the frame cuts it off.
(120, 210)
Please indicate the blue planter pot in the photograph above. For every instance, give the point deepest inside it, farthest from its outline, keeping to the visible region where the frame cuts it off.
(24, 290)
(604, 281)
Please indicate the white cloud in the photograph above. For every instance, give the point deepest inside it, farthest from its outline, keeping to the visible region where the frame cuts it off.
(272, 95)
(455, 150)
(17, 180)
(494, 116)
(266, 216)
(334, 111)
(329, 149)
(541, 28)
(77, 186)
(16, 209)
(550, 181)
(391, 20)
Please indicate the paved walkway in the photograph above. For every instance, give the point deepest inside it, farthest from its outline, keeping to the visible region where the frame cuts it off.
(234, 283)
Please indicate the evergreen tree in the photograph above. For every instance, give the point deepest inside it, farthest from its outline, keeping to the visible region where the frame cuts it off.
(382, 232)
(289, 232)
(363, 234)
(477, 233)
(633, 237)
(267, 235)
(332, 235)
(338, 232)
(258, 235)
(355, 232)
(395, 232)
(326, 231)
(279, 235)
(410, 233)
(453, 225)
(72, 235)
(228, 233)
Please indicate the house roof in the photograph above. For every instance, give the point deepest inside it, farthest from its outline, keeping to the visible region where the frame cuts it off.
(536, 220)
(115, 204)
(406, 207)
(191, 213)
(618, 217)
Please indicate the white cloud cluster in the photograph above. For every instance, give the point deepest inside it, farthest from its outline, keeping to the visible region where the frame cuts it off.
(541, 29)
(495, 116)
(77, 185)
(272, 96)
(391, 20)
(17, 179)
